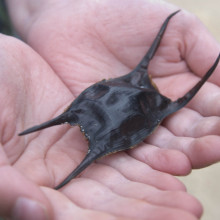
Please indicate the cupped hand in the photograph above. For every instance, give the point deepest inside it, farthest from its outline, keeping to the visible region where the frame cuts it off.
(31, 165)
(84, 42)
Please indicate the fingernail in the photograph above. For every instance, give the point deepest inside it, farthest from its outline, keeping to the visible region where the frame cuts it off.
(27, 209)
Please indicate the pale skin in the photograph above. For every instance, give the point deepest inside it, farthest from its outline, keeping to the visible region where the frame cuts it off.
(77, 44)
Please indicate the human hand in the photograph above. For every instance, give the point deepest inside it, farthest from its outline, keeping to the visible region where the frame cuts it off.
(85, 42)
(100, 62)
(30, 166)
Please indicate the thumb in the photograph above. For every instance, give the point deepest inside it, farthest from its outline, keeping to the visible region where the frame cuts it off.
(20, 198)
(201, 49)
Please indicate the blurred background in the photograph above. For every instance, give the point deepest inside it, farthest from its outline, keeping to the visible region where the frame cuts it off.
(204, 184)
(5, 26)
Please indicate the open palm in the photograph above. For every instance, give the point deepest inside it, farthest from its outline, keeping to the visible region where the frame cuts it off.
(84, 42)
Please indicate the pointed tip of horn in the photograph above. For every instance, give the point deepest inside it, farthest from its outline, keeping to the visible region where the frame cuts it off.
(90, 157)
(181, 102)
(175, 12)
(55, 121)
(29, 130)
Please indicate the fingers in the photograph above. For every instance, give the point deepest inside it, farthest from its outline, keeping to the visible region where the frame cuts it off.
(204, 151)
(20, 194)
(203, 147)
(138, 171)
(206, 102)
(165, 160)
(189, 123)
(201, 49)
(201, 151)
(100, 198)
(64, 208)
(125, 187)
